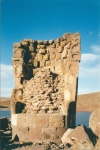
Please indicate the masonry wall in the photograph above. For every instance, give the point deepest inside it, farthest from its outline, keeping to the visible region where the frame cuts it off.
(46, 80)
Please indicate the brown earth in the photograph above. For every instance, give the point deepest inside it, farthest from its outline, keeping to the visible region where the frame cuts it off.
(88, 102)
(4, 103)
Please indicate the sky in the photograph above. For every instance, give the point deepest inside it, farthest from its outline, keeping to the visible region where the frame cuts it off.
(50, 19)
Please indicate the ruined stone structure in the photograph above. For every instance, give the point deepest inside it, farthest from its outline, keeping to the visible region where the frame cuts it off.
(46, 80)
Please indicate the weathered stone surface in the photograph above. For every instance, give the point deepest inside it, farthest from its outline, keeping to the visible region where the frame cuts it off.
(25, 43)
(31, 48)
(77, 136)
(59, 49)
(45, 74)
(52, 56)
(18, 53)
(42, 51)
(64, 138)
(40, 57)
(58, 56)
(57, 121)
(60, 132)
(49, 133)
(17, 61)
(94, 122)
(21, 133)
(42, 120)
(35, 133)
(51, 41)
(17, 45)
(46, 57)
(64, 53)
(42, 63)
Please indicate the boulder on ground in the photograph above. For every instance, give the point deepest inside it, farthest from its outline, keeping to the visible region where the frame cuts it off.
(77, 137)
(94, 122)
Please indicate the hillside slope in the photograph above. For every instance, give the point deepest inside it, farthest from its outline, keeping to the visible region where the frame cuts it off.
(88, 102)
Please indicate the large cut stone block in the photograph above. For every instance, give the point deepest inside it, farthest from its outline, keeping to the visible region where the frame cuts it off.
(42, 120)
(74, 67)
(49, 133)
(42, 51)
(20, 132)
(35, 133)
(18, 71)
(17, 45)
(64, 53)
(31, 48)
(60, 132)
(18, 53)
(48, 63)
(57, 120)
(94, 121)
(46, 57)
(35, 63)
(20, 119)
(17, 61)
(58, 56)
(40, 57)
(76, 57)
(30, 120)
(18, 83)
(42, 63)
(60, 49)
(52, 56)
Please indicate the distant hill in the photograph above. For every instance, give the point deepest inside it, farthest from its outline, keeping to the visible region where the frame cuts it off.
(88, 102)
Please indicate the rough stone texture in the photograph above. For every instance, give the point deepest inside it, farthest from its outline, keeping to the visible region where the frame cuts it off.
(94, 122)
(77, 136)
(46, 78)
(38, 127)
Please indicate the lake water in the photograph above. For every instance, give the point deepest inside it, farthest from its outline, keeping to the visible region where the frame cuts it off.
(81, 117)
(5, 113)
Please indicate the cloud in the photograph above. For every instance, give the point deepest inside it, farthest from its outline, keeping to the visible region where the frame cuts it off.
(6, 92)
(7, 83)
(95, 48)
(90, 65)
(6, 71)
(89, 60)
(89, 73)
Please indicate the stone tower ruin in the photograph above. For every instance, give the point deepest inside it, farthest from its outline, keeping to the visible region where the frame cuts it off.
(43, 102)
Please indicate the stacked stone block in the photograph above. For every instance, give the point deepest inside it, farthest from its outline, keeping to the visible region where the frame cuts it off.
(39, 127)
(46, 81)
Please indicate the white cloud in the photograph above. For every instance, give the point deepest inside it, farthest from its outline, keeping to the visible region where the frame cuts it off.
(6, 71)
(89, 60)
(89, 73)
(95, 48)
(90, 65)
(7, 83)
(6, 92)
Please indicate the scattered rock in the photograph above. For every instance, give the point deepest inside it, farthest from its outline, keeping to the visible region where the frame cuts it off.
(77, 138)
(94, 122)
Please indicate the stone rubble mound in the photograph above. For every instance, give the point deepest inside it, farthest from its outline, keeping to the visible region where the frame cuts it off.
(44, 93)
